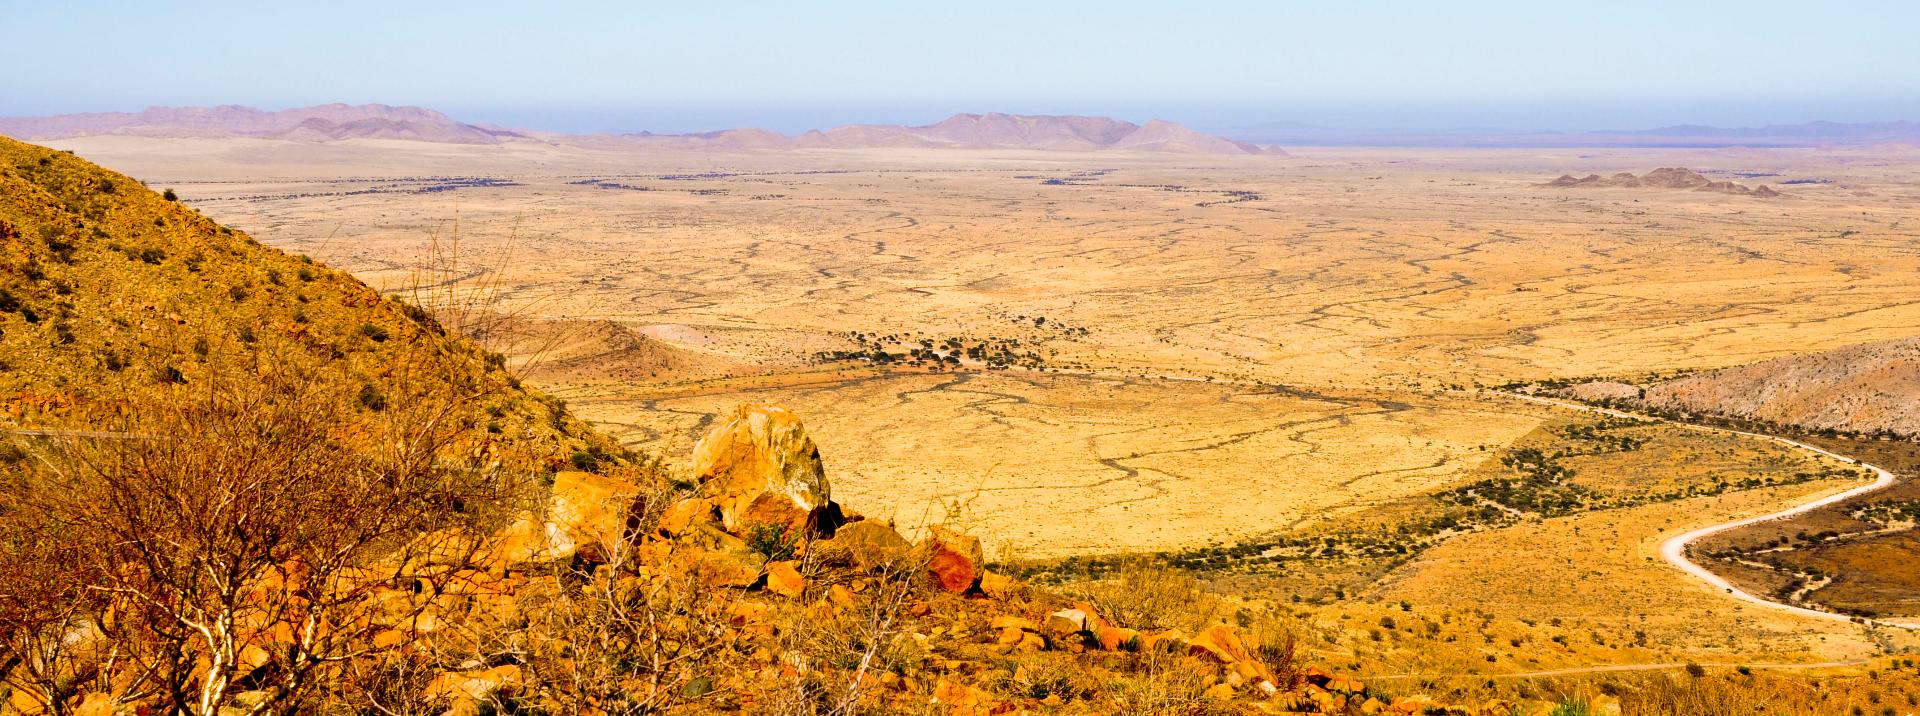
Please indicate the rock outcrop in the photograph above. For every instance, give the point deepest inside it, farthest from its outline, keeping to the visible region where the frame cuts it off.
(760, 468)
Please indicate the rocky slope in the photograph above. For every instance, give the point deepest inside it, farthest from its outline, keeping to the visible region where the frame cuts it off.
(1867, 388)
(109, 291)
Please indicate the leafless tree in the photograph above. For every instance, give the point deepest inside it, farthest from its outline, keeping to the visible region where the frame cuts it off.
(249, 537)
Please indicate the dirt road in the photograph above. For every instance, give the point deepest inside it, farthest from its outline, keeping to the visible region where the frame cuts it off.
(1674, 549)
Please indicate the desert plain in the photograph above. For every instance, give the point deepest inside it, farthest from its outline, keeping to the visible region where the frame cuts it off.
(1172, 352)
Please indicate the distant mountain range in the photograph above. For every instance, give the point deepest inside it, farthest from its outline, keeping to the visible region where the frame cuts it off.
(336, 122)
(1810, 134)
(971, 131)
(329, 122)
(994, 130)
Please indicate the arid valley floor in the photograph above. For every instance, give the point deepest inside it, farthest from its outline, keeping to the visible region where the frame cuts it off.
(1188, 353)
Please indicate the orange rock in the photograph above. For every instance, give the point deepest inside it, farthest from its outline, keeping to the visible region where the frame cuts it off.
(1219, 643)
(686, 514)
(1116, 639)
(745, 612)
(955, 559)
(1411, 705)
(963, 700)
(1008, 621)
(1000, 586)
(1250, 671)
(717, 559)
(97, 704)
(1033, 641)
(1010, 635)
(388, 638)
(1220, 692)
(1094, 621)
(783, 578)
(869, 544)
(254, 657)
(1347, 684)
(586, 514)
(1316, 675)
(759, 465)
(842, 597)
(1169, 640)
(472, 686)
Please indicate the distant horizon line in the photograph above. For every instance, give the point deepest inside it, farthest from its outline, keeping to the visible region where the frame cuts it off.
(1266, 131)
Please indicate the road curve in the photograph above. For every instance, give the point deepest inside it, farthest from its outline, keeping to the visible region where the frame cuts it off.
(1674, 549)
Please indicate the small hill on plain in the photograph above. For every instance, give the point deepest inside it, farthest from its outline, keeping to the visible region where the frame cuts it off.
(1662, 178)
(595, 351)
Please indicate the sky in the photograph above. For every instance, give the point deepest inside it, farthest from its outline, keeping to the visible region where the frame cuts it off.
(790, 66)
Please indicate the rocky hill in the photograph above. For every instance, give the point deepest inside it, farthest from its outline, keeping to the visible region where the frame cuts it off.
(1868, 388)
(1662, 178)
(322, 123)
(1865, 388)
(109, 291)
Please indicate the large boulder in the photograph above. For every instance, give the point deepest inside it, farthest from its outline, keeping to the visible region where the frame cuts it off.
(761, 468)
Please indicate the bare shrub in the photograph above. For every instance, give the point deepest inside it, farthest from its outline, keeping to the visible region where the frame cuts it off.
(619, 636)
(1276, 643)
(841, 657)
(239, 540)
(1164, 683)
(1148, 595)
(50, 650)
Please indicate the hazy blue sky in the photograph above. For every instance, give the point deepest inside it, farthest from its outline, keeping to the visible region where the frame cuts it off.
(794, 65)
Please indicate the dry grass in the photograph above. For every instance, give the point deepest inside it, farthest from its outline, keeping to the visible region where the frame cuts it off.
(1145, 595)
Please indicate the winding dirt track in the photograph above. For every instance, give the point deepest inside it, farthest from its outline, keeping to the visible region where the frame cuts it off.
(1674, 549)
